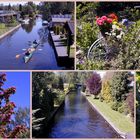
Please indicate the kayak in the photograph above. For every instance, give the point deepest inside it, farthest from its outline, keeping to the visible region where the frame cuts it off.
(28, 57)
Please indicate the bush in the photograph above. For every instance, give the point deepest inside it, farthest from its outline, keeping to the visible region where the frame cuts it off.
(83, 88)
(101, 98)
(2, 25)
(116, 105)
(121, 109)
(71, 87)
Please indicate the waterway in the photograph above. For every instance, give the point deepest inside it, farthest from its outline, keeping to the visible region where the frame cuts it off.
(17, 43)
(77, 119)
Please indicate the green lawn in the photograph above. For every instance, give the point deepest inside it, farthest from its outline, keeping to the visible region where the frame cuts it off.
(5, 29)
(122, 122)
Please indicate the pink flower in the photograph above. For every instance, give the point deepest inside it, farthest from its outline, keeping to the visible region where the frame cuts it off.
(109, 20)
(104, 18)
(99, 21)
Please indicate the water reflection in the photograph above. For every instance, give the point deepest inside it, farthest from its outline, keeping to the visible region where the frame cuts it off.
(18, 42)
(28, 27)
(78, 120)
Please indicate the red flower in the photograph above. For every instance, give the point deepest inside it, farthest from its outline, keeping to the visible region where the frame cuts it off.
(109, 20)
(113, 16)
(3, 77)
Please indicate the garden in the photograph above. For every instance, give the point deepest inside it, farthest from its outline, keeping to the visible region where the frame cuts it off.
(108, 35)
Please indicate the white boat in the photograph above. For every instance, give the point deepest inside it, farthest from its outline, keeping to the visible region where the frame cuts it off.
(45, 23)
(25, 21)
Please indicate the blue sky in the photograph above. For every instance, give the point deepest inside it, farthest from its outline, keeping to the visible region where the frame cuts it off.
(20, 80)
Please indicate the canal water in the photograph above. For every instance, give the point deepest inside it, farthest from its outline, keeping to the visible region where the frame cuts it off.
(16, 43)
(76, 119)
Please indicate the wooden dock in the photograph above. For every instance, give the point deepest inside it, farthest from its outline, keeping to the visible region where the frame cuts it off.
(61, 52)
(59, 46)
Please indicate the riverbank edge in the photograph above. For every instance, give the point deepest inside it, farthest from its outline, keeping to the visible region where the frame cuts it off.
(10, 31)
(122, 134)
(56, 110)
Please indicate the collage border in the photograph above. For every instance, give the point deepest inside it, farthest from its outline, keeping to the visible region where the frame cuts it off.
(75, 70)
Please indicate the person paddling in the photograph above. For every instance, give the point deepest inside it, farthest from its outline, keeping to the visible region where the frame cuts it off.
(28, 52)
(35, 42)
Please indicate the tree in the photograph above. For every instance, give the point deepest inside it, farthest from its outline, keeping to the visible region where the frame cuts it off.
(9, 7)
(119, 86)
(7, 110)
(94, 84)
(61, 83)
(22, 116)
(20, 7)
(106, 91)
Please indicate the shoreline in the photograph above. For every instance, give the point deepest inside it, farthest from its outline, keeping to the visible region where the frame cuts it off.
(10, 31)
(122, 134)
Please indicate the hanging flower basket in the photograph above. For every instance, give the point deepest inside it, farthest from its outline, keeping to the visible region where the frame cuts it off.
(105, 23)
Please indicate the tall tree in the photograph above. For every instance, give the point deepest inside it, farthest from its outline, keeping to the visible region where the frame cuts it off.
(94, 84)
(120, 86)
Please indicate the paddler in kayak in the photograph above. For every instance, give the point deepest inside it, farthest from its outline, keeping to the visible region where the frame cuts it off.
(35, 42)
(28, 52)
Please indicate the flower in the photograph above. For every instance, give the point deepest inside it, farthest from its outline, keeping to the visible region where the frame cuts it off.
(109, 20)
(113, 17)
(3, 77)
(99, 21)
(1, 83)
(104, 18)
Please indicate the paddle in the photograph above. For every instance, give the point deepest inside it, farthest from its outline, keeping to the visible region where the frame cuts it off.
(18, 55)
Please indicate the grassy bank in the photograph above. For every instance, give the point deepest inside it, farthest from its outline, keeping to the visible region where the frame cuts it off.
(5, 28)
(122, 122)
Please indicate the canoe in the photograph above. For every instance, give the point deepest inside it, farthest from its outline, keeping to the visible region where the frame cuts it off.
(27, 58)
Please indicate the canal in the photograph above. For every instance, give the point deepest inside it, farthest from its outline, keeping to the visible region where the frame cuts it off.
(18, 42)
(76, 119)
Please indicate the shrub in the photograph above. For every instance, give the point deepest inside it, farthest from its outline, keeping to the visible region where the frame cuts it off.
(83, 88)
(116, 105)
(2, 25)
(121, 109)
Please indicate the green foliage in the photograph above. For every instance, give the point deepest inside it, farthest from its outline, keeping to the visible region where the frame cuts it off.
(61, 83)
(119, 86)
(91, 65)
(88, 32)
(86, 35)
(49, 8)
(129, 45)
(106, 91)
(121, 109)
(116, 105)
(2, 25)
(83, 88)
